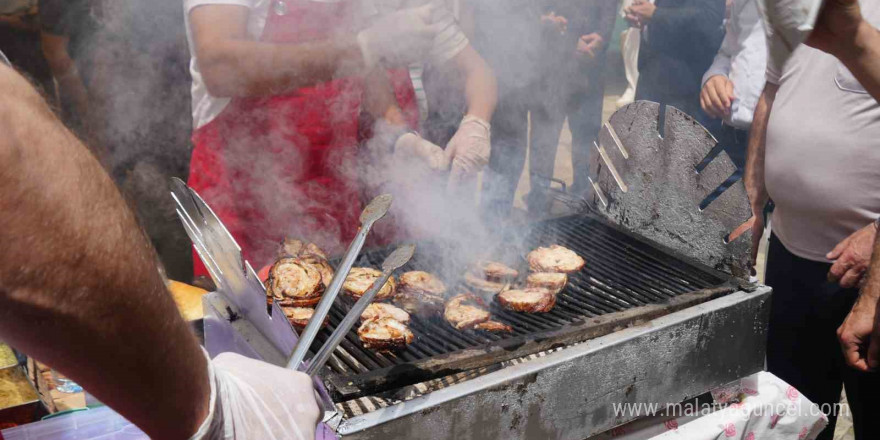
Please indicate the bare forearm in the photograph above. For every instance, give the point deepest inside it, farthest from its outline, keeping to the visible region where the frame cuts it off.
(79, 288)
(254, 68)
(754, 172)
(481, 88)
(862, 58)
(379, 99)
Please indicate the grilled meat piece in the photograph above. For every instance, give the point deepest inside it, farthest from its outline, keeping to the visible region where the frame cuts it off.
(482, 286)
(300, 316)
(530, 300)
(465, 311)
(555, 259)
(420, 293)
(496, 272)
(293, 284)
(360, 279)
(549, 280)
(290, 247)
(494, 327)
(321, 264)
(307, 253)
(385, 334)
(382, 310)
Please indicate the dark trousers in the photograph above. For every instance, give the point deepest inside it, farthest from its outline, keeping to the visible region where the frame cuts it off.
(509, 142)
(583, 107)
(802, 346)
(734, 141)
(549, 105)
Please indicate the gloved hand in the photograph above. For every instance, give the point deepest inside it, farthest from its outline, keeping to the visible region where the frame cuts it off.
(398, 38)
(411, 145)
(251, 399)
(469, 149)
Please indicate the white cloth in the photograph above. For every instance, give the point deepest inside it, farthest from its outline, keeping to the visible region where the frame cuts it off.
(769, 410)
(742, 58)
(449, 42)
(822, 151)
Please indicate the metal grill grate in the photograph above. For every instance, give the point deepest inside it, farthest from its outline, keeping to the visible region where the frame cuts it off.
(622, 272)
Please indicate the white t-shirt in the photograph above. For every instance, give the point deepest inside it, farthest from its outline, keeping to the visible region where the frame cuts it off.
(822, 151)
(448, 43)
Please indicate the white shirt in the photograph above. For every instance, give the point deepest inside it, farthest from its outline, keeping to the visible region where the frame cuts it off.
(742, 58)
(822, 151)
(448, 43)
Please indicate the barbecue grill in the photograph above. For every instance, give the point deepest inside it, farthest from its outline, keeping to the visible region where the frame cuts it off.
(641, 323)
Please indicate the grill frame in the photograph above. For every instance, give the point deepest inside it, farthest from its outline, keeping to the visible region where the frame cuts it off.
(355, 372)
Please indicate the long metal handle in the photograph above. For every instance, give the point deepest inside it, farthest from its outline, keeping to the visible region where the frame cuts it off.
(350, 318)
(323, 307)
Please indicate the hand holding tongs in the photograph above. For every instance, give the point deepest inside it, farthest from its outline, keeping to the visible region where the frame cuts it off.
(398, 258)
(375, 210)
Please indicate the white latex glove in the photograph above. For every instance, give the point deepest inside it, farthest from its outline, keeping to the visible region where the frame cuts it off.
(411, 145)
(251, 399)
(468, 150)
(399, 38)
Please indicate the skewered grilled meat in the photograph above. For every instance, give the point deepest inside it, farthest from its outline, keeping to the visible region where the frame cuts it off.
(465, 311)
(551, 281)
(382, 310)
(555, 259)
(530, 299)
(385, 334)
(300, 316)
(482, 286)
(494, 327)
(420, 293)
(293, 284)
(360, 279)
(496, 272)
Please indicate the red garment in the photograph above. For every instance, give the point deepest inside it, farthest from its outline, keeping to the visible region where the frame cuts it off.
(282, 165)
(285, 165)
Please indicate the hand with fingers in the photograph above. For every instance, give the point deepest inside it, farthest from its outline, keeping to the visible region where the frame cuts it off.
(589, 45)
(468, 150)
(559, 22)
(717, 96)
(399, 38)
(852, 256)
(640, 13)
(859, 334)
(758, 199)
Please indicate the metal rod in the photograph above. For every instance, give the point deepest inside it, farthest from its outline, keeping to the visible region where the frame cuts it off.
(314, 325)
(397, 258)
(376, 209)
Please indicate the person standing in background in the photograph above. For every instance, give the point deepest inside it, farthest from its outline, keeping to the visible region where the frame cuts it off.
(733, 84)
(68, 30)
(573, 86)
(813, 150)
(629, 48)
(514, 36)
(20, 41)
(679, 40)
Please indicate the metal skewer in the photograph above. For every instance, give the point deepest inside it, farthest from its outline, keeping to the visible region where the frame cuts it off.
(376, 209)
(398, 258)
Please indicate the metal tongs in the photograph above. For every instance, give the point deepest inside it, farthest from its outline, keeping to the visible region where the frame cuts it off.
(398, 258)
(376, 209)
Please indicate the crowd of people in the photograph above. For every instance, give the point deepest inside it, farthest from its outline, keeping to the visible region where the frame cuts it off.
(289, 98)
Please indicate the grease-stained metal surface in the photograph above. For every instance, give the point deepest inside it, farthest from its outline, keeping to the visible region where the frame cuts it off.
(650, 185)
(571, 393)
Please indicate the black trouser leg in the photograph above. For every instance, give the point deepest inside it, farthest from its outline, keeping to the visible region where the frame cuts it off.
(802, 346)
(547, 119)
(585, 121)
(508, 156)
